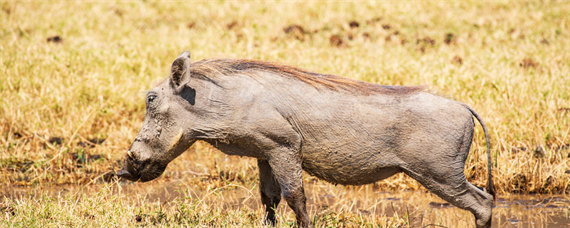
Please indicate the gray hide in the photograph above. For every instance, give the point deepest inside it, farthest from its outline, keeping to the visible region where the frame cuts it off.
(340, 130)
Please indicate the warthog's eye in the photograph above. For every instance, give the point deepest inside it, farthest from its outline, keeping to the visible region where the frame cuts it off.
(150, 98)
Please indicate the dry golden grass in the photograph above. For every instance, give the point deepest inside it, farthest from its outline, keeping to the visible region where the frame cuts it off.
(77, 71)
(218, 196)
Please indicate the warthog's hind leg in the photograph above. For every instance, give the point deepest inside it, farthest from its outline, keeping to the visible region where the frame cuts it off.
(456, 190)
(270, 191)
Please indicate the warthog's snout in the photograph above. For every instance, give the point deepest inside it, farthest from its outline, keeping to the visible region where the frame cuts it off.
(129, 171)
(137, 170)
(125, 174)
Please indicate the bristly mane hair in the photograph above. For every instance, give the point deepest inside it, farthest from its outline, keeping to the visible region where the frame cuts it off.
(209, 68)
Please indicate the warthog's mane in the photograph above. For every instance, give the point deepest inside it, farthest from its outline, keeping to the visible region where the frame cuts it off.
(212, 68)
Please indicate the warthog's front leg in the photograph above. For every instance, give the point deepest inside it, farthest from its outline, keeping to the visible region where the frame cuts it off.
(286, 167)
(270, 191)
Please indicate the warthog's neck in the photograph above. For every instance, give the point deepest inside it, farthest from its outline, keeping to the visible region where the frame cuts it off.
(229, 148)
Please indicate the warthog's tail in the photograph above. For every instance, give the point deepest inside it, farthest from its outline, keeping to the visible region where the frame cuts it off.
(490, 188)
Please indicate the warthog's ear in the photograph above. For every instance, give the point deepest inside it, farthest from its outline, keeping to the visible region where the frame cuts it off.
(180, 72)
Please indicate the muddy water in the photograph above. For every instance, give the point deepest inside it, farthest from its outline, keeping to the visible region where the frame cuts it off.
(420, 208)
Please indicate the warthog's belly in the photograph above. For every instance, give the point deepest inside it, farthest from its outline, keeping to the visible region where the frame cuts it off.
(349, 169)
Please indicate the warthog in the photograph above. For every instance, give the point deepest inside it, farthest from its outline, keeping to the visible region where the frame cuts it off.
(340, 130)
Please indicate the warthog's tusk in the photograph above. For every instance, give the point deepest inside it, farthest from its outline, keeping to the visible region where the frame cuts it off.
(130, 154)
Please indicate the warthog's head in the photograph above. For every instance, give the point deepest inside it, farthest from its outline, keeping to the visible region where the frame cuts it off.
(167, 129)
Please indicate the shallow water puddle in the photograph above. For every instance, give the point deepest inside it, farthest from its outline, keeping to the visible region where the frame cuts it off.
(420, 209)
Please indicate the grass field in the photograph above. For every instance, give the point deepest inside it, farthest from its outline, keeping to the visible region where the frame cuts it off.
(73, 77)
